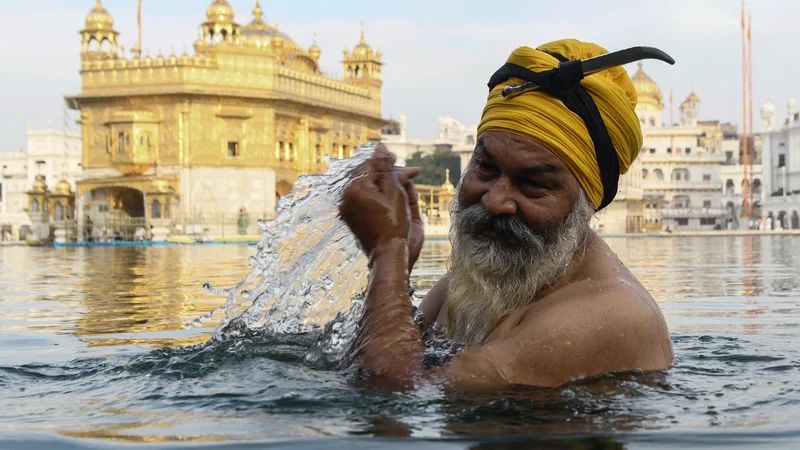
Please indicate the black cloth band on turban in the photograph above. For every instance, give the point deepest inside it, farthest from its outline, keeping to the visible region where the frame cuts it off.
(563, 83)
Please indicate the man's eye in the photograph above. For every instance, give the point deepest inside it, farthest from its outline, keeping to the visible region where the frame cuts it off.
(483, 166)
(532, 183)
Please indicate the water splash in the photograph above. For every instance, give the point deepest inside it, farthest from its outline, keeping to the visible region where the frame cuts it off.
(307, 267)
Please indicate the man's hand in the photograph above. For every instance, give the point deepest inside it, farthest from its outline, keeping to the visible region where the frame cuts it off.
(375, 206)
(416, 235)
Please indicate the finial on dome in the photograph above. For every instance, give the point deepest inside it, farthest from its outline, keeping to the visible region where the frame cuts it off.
(362, 32)
(258, 12)
(314, 52)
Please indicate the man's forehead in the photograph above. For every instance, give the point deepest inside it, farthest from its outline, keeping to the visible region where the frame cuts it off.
(517, 150)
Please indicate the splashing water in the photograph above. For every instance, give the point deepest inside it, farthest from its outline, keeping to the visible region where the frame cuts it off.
(307, 267)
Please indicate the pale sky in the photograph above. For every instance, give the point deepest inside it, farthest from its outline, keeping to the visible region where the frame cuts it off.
(438, 54)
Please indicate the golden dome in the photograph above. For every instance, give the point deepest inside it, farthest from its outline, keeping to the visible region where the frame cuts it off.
(362, 49)
(63, 187)
(692, 97)
(220, 12)
(39, 185)
(447, 186)
(647, 90)
(99, 18)
(314, 52)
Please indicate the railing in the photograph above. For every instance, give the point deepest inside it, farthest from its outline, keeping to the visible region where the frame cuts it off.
(693, 212)
(672, 185)
(673, 157)
(109, 228)
(219, 225)
(199, 226)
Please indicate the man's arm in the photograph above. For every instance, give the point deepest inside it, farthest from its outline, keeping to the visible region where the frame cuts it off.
(389, 347)
(431, 305)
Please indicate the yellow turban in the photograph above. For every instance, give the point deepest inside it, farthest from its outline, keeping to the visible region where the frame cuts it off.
(544, 119)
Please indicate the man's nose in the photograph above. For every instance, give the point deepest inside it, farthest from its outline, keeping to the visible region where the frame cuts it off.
(498, 200)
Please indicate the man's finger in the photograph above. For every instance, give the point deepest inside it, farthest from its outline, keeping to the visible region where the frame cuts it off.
(405, 174)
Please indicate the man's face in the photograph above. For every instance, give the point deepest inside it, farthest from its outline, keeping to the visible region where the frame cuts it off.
(513, 176)
(514, 203)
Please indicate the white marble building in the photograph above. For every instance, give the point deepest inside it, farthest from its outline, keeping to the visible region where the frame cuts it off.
(681, 179)
(453, 135)
(780, 200)
(51, 153)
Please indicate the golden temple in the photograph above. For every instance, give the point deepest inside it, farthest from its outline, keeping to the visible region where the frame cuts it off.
(226, 129)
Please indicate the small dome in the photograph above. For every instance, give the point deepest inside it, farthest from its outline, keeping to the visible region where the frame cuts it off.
(63, 187)
(314, 51)
(220, 12)
(362, 49)
(99, 18)
(647, 90)
(692, 97)
(39, 185)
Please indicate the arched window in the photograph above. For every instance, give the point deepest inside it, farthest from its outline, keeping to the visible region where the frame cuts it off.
(70, 212)
(729, 187)
(166, 209)
(59, 211)
(680, 175)
(658, 174)
(644, 174)
(35, 205)
(681, 201)
(156, 210)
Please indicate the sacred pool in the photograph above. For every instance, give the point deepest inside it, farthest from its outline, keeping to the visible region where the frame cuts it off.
(95, 344)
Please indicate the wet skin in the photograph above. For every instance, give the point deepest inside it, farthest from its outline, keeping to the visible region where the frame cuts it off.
(597, 319)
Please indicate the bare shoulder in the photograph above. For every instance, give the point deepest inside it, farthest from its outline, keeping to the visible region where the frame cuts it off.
(587, 328)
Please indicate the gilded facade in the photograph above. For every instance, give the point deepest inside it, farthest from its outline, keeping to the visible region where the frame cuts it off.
(229, 127)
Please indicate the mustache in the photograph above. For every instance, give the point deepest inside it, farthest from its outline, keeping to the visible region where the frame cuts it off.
(475, 221)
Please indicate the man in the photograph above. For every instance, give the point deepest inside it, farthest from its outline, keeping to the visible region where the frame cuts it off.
(533, 293)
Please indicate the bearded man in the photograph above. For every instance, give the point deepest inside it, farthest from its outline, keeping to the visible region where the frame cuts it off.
(536, 297)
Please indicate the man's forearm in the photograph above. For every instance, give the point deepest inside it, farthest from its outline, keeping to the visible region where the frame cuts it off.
(389, 344)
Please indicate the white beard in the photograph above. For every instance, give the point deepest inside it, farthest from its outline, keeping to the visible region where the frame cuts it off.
(490, 279)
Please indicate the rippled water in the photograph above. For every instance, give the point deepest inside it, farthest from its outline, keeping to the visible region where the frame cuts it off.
(91, 344)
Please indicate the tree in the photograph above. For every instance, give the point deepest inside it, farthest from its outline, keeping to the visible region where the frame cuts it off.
(433, 167)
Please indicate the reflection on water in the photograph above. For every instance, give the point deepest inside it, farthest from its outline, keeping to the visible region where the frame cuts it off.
(78, 328)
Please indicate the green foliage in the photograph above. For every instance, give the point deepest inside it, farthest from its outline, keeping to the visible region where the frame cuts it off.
(434, 165)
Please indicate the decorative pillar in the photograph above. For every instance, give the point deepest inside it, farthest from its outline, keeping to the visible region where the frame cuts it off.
(62, 212)
(39, 211)
(159, 210)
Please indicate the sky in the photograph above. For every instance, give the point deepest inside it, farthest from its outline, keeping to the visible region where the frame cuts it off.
(438, 54)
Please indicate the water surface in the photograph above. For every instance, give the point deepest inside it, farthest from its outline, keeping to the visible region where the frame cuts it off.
(93, 347)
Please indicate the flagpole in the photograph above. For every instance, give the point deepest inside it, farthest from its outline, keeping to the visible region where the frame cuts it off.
(752, 142)
(745, 183)
(139, 19)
